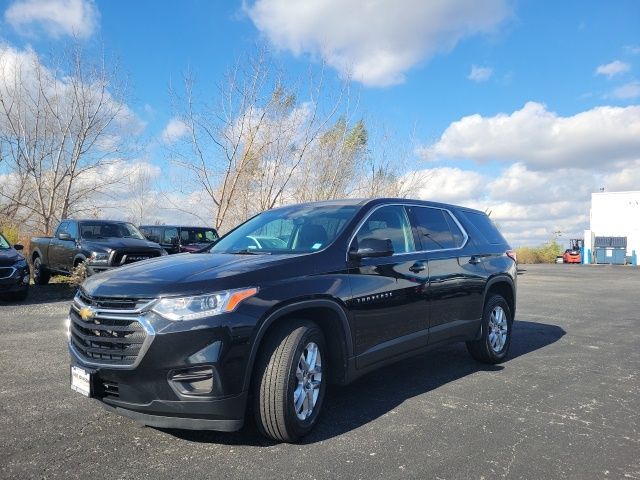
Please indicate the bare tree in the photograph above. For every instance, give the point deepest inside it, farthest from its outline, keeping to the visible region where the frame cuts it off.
(59, 125)
(332, 168)
(246, 148)
(140, 194)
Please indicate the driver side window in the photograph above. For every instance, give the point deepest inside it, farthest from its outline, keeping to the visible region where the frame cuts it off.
(170, 235)
(389, 222)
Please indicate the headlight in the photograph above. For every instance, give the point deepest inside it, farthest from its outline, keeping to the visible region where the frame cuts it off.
(200, 306)
(99, 257)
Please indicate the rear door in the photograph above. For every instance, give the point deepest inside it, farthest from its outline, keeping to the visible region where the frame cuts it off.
(389, 303)
(456, 274)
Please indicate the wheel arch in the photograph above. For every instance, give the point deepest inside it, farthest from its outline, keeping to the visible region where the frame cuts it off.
(332, 319)
(504, 286)
(78, 259)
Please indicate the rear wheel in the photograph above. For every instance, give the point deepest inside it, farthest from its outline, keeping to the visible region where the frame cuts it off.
(290, 381)
(495, 337)
(41, 275)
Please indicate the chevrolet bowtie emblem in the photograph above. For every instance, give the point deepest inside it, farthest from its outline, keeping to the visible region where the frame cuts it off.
(87, 313)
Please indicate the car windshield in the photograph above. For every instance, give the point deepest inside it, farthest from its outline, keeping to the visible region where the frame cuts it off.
(197, 235)
(89, 230)
(4, 245)
(297, 229)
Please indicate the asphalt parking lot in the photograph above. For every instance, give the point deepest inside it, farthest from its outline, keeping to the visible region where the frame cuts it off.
(565, 405)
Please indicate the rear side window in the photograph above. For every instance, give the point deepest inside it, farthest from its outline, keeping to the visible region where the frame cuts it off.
(434, 229)
(486, 227)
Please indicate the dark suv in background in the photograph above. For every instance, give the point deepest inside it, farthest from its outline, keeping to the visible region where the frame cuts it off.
(344, 287)
(178, 239)
(14, 271)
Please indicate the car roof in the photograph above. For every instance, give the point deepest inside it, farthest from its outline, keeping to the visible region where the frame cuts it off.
(368, 202)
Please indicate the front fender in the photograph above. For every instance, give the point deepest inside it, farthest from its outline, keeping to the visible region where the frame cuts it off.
(290, 308)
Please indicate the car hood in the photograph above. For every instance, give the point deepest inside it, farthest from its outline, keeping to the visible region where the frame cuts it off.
(9, 257)
(182, 274)
(114, 243)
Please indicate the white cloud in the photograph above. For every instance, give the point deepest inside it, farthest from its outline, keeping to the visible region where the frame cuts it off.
(449, 185)
(55, 17)
(612, 69)
(542, 139)
(375, 42)
(623, 179)
(552, 164)
(480, 74)
(627, 91)
(174, 131)
(632, 49)
(19, 73)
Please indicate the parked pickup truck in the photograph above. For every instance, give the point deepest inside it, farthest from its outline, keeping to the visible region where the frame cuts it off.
(102, 244)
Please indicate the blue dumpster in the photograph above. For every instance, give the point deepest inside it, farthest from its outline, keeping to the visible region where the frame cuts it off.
(610, 250)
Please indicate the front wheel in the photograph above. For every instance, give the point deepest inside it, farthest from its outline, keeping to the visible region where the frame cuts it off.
(290, 381)
(495, 337)
(40, 274)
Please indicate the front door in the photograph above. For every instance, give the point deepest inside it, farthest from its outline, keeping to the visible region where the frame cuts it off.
(389, 295)
(57, 247)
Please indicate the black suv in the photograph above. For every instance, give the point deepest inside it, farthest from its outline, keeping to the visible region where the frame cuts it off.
(345, 286)
(178, 239)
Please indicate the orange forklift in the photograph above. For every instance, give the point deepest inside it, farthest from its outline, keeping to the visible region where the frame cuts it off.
(574, 253)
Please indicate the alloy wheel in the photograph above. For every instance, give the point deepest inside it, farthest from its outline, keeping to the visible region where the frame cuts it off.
(498, 329)
(309, 379)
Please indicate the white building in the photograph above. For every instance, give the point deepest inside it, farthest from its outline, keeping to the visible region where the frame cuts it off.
(614, 214)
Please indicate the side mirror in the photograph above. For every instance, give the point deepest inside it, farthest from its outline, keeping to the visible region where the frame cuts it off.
(18, 246)
(64, 236)
(372, 247)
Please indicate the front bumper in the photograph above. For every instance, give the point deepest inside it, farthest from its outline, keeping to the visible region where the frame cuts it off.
(222, 415)
(92, 269)
(149, 390)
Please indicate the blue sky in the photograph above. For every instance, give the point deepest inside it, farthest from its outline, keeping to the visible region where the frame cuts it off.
(545, 52)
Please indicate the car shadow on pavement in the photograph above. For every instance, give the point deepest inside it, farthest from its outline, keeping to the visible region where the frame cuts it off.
(379, 392)
(55, 292)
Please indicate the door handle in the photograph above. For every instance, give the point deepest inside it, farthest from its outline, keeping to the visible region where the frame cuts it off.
(475, 260)
(418, 267)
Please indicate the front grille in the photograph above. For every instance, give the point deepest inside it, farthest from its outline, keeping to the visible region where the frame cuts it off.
(109, 303)
(125, 256)
(6, 272)
(108, 332)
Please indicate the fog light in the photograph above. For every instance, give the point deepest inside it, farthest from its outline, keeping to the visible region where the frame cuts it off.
(194, 381)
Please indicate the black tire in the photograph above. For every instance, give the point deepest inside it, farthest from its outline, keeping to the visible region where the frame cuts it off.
(485, 349)
(275, 381)
(41, 275)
